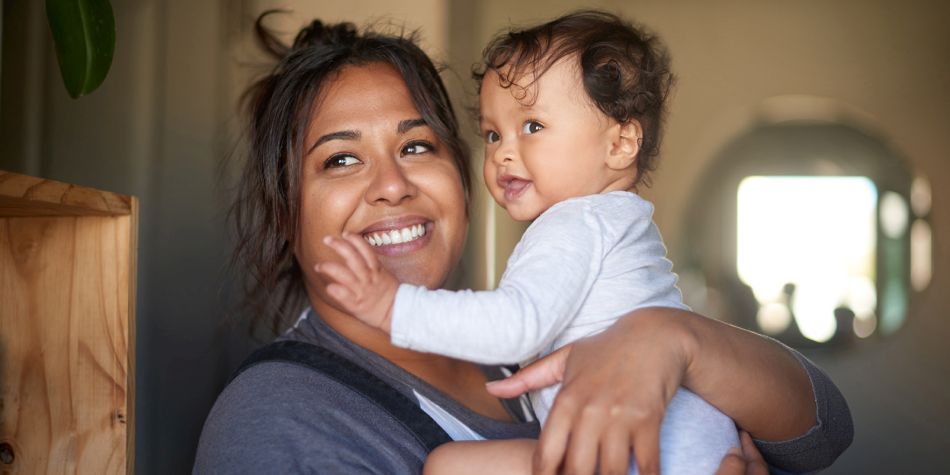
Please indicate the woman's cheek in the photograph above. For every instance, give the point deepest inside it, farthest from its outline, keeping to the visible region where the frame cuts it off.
(325, 209)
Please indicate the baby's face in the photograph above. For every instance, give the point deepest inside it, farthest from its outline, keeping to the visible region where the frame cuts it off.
(544, 142)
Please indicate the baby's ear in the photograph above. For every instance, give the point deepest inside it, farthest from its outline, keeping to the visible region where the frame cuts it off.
(625, 145)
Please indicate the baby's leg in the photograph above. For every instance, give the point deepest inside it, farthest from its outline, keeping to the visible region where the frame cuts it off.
(694, 437)
(486, 456)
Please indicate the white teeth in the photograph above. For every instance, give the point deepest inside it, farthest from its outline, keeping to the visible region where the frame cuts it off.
(396, 236)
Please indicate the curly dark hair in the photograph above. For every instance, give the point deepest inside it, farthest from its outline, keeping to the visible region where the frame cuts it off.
(626, 70)
(266, 211)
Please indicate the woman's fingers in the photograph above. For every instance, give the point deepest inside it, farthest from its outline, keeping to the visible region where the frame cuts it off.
(540, 374)
(552, 443)
(583, 443)
(647, 356)
(615, 451)
(747, 461)
(756, 464)
(646, 446)
(732, 463)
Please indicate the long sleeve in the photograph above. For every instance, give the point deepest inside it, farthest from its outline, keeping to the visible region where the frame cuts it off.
(547, 279)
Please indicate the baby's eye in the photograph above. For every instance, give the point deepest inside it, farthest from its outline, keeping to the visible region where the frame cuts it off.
(417, 148)
(340, 160)
(531, 127)
(491, 136)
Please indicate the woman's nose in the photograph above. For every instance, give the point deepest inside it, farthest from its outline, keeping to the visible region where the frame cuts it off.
(391, 184)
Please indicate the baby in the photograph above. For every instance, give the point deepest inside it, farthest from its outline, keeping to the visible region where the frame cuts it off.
(571, 112)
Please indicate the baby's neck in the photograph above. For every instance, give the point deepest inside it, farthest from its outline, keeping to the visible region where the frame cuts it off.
(621, 183)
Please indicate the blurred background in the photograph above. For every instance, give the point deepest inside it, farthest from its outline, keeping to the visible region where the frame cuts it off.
(802, 189)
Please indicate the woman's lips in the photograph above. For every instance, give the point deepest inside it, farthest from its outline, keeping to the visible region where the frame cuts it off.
(398, 236)
(514, 187)
(395, 236)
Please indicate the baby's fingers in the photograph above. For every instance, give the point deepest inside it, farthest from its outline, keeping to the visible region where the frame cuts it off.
(343, 295)
(339, 273)
(351, 257)
(364, 250)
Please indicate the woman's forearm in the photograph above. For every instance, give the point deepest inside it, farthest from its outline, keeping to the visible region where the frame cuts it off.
(616, 385)
(753, 379)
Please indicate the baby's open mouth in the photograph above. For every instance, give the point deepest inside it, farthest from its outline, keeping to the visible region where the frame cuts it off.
(396, 236)
(513, 186)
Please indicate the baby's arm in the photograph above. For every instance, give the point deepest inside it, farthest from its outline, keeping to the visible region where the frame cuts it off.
(360, 284)
(479, 457)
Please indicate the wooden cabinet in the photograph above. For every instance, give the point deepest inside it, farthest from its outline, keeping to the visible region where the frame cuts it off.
(67, 300)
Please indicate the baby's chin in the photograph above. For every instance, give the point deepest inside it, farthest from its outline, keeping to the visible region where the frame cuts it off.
(516, 211)
(520, 213)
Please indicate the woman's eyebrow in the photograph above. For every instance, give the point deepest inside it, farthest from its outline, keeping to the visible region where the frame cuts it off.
(340, 135)
(409, 124)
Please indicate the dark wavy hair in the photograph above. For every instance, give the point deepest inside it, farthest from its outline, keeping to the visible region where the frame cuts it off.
(267, 207)
(626, 70)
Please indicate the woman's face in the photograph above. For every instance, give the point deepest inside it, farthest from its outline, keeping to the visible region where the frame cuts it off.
(372, 167)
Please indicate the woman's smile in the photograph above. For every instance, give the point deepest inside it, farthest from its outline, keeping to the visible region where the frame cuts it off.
(398, 236)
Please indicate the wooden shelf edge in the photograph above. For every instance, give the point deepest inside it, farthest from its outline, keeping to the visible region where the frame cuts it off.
(22, 195)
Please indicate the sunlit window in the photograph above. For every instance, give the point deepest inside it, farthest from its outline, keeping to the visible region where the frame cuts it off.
(806, 245)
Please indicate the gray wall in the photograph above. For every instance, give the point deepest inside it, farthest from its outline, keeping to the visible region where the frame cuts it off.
(157, 129)
(165, 118)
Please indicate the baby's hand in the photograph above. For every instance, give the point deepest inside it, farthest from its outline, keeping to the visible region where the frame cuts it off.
(360, 284)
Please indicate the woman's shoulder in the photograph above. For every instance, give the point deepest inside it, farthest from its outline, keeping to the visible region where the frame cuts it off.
(283, 417)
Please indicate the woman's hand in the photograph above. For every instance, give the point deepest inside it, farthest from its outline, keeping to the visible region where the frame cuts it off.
(747, 461)
(616, 386)
(615, 389)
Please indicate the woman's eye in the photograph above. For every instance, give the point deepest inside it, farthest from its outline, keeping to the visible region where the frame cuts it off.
(531, 127)
(491, 136)
(417, 148)
(341, 160)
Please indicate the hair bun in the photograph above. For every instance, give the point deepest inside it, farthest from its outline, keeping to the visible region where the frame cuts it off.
(318, 33)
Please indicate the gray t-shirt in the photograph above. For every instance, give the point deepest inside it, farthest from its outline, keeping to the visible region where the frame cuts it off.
(279, 417)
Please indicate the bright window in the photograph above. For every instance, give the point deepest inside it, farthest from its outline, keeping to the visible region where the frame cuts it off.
(806, 245)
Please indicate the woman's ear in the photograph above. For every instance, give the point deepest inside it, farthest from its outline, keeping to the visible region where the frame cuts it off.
(625, 145)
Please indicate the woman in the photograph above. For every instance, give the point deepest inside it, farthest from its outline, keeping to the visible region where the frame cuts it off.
(354, 133)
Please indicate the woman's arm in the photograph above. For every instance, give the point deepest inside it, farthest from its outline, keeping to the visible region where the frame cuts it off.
(754, 380)
(616, 385)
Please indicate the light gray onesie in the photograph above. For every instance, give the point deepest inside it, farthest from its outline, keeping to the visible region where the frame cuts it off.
(582, 264)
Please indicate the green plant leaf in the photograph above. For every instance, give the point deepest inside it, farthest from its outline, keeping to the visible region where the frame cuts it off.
(84, 34)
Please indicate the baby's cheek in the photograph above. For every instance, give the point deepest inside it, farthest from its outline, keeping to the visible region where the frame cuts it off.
(488, 173)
